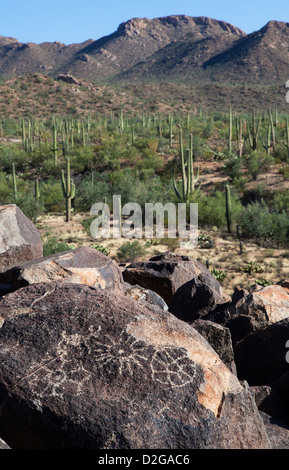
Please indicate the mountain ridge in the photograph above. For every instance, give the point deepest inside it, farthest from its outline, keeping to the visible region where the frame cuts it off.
(176, 48)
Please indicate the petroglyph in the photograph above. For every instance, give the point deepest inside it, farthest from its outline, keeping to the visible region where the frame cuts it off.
(108, 358)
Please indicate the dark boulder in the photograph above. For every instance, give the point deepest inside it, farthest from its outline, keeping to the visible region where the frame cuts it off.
(219, 337)
(259, 326)
(86, 368)
(167, 272)
(278, 432)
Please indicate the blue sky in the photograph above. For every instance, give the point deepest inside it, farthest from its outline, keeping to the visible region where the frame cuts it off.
(74, 21)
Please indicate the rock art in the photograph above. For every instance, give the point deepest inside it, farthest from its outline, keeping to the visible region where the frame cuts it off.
(88, 368)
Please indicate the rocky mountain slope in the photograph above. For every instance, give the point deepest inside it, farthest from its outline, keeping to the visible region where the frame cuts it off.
(173, 48)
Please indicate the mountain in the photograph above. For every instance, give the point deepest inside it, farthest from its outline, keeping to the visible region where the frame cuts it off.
(134, 41)
(211, 61)
(261, 56)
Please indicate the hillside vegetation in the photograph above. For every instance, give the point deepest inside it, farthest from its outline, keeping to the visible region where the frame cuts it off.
(240, 178)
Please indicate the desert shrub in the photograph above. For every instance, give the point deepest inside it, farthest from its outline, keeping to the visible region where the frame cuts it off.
(284, 171)
(257, 163)
(30, 206)
(11, 155)
(219, 274)
(52, 195)
(280, 201)
(233, 166)
(101, 248)
(129, 251)
(258, 193)
(258, 223)
(132, 188)
(90, 191)
(212, 209)
(82, 159)
(52, 246)
(5, 189)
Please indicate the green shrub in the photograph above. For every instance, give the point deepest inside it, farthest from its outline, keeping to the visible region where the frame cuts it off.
(90, 192)
(258, 223)
(101, 248)
(129, 251)
(257, 163)
(219, 275)
(52, 246)
(212, 209)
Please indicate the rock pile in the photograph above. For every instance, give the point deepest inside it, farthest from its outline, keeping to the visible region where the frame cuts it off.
(154, 357)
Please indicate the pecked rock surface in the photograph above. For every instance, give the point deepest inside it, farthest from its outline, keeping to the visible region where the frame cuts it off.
(167, 272)
(84, 265)
(19, 238)
(88, 368)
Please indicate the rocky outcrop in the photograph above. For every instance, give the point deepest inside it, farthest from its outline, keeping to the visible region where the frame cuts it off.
(84, 367)
(259, 326)
(270, 402)
(19, 238)
(167, 272)
(84, 265)
(219, 338)
(278, 432)
(144, 295)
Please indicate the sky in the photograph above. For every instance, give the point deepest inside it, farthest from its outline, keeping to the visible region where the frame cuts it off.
(75, 21)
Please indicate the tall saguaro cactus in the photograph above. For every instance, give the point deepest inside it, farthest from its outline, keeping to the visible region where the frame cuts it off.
(254, 132)
(54, 145)
(228, 208)
(287, 136)
(68, 188)
(189, 179)
(14, 182)
(230, 130)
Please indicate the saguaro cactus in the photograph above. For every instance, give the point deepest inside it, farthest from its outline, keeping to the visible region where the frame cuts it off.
(254, 132)
(267, 146)
(54, 145)
(230, 130)
(239, 131)
(272, 131)
(228, 208)
(68, 188)
(14, 182)
(189, 179)
(287, 136)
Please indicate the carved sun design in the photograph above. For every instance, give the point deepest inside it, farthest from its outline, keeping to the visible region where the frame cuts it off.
(122, 357)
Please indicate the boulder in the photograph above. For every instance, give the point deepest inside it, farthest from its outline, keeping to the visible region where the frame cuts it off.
(278, 432)
(87, 368)
(281, 387)
(219, 337)
(84, 265)
(144, 295)
(261, 357)
(198, 297)
(268, 400)
(253, 311)
(19, 238)
(166, 273)
(259, 326)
